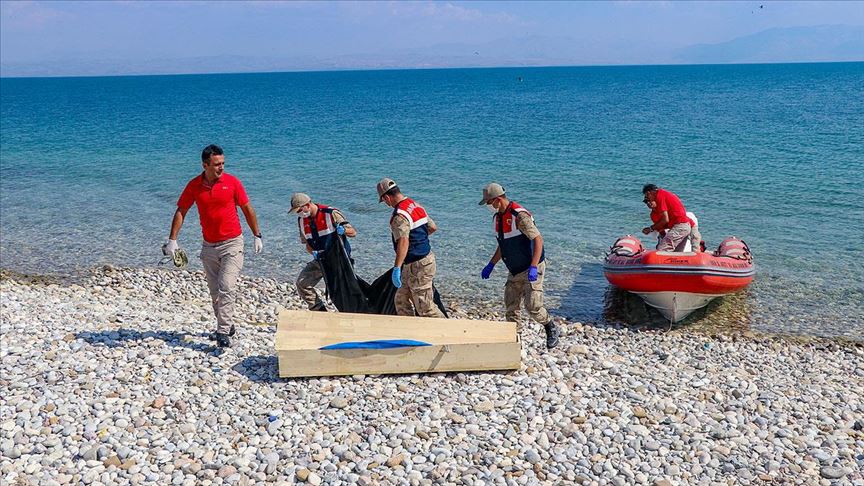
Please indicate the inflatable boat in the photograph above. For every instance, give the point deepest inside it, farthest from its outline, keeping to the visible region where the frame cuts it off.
(678, 283)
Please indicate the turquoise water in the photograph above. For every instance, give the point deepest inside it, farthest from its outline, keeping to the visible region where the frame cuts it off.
(92, 167)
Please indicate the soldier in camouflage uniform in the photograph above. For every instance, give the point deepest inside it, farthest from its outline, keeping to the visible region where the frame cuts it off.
(520, 245)
(318, 225)
(411, 226)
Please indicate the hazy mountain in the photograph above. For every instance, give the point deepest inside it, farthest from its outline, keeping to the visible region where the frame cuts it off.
(794, 44)
(791, 44)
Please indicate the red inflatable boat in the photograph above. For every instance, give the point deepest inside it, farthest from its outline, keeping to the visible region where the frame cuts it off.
(678, 283)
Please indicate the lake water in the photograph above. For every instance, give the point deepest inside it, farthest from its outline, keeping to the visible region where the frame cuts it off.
(92, 168)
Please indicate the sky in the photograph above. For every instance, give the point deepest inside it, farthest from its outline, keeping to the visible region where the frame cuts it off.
(60, 35)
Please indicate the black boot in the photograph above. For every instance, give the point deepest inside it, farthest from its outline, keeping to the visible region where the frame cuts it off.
(231, 333)
(222, 340)
(319, 307)
(552, 335)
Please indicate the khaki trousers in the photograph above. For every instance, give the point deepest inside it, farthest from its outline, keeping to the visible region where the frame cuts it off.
(416, 293)
(519, 290)
(675, 239)
(695, 239)
(223, 262)
(306, 282)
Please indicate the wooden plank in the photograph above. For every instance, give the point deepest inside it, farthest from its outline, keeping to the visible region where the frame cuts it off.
(422, 359)
(312, 330)
(455, 344)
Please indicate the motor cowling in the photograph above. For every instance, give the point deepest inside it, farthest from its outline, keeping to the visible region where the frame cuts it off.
(627, 246)
(733, 247)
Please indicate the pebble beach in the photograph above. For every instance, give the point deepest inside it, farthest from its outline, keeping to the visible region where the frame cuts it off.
(111, 378)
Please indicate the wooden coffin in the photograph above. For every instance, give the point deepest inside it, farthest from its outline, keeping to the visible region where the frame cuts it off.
(454, 344)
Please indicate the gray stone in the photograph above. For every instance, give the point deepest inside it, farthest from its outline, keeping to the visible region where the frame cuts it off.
(338, 402)
(832, 472)
(651, 445)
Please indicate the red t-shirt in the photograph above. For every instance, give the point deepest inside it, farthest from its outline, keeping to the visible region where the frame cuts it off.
(655, 216)
(217, 205)
(669, 202)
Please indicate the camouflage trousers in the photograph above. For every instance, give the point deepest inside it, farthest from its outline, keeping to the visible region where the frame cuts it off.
(519, 290)
(306, 282)
(416, 292)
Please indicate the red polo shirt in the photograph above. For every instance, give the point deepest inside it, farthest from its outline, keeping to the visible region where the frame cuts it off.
(217, 205)
(669, 202)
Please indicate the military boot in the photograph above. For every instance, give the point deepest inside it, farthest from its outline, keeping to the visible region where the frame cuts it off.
(552, 335)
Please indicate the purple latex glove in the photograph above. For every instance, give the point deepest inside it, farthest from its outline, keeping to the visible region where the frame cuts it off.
(532, 273)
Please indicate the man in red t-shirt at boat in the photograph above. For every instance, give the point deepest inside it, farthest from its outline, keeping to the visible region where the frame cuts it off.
(217, 195)
(672, 219)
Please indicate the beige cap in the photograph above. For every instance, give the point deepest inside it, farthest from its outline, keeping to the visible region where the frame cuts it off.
(385, 185)
(491, 191)
(299, 199)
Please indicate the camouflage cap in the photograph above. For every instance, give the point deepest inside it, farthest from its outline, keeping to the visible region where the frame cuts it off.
(491, 191)
(385, 185)
(299, 199)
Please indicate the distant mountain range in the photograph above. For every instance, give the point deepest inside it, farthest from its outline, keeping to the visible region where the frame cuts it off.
(792, 44)
(820, 43)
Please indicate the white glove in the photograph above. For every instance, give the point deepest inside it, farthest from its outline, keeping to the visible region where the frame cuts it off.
(259, 245)
(169, 248)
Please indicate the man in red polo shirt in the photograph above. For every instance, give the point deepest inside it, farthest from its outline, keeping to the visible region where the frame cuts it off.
(673, 218)
(217, 195)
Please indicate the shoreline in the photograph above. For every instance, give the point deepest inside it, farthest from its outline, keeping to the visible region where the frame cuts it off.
(109, 377)
(462, 306)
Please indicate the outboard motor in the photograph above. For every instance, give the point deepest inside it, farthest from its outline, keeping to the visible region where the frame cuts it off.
(627, 246)
(733, 247)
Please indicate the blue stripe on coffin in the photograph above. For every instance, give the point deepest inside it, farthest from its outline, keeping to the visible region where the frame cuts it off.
(376, 344)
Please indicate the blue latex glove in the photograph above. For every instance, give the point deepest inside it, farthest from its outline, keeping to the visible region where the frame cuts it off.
(532, 273)
(340, 230)
(397, 277)
(487, 270)
(314, 255)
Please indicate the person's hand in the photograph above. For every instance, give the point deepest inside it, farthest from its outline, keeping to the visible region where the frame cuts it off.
(340, 230)
(169, 248)
(314, 255)
(532, 273)
(396, 277)
(259, 244)
(487, 270)
(647, 230)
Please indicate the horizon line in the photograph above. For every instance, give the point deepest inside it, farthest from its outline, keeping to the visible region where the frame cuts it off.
(420, 68)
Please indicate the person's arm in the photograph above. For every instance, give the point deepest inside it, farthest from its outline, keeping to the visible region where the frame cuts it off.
(187, 199)
(663, 222)
(496, 257)
(430, 224)
(659, 225)
(538, 249)
(400, 228)
(177, 223)
(251, 218)
(340, 220)
(401, 251)
(526, 225)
